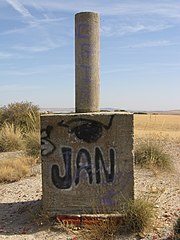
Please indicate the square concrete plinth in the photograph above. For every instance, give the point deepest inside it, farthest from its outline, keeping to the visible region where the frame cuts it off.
(87, 162)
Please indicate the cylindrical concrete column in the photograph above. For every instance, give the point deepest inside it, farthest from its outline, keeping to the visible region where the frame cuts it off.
(87, 58)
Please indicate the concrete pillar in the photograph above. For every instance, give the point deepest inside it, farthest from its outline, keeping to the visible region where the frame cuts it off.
(87, 58)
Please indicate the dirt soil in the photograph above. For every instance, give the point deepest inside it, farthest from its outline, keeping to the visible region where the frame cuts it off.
(20, 204)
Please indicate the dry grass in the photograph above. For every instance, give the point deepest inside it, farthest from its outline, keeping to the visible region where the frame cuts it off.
(153, 133)
(165, 126)
(32, 143)
(10, 138)
(139, 215)
(14, 169)
(105, 229)
(149, 152)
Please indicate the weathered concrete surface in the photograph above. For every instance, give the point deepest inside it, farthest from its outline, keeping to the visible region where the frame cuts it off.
(87, 162)
(87, 61)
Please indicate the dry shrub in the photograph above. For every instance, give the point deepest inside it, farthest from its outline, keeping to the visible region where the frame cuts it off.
(14, 169)
(138, 215)
(22, 114)
(149, 152)
(10, 138)
(105, 229)
(177, 229)
(32, 143)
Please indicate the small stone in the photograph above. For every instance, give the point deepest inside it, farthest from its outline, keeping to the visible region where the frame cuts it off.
(156, 206)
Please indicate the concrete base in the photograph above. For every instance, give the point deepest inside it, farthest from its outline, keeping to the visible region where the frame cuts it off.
(87, 162)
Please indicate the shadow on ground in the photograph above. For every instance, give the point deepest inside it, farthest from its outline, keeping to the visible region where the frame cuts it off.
(21, 218)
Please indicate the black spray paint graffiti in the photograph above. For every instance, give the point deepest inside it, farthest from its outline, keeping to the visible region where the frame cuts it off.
(83, 163)
(85, 129)
(47, 147)
(66, 181)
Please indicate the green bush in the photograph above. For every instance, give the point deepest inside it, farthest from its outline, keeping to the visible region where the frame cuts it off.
(10, 138)
(32, 143)
(22, 114)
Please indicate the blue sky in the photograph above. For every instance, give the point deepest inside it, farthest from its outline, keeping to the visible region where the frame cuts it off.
(140, 52)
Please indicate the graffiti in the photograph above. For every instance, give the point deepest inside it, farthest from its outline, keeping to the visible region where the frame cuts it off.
(86, 50)
(108, 198)
(80, 32)
(86, 72)
(47, 147)
(124, 178)
(99, 158)
(83, 162)
(66, 181)
(85, 129)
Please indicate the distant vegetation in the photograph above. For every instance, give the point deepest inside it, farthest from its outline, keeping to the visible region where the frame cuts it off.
(24, 115)
(20, 127)
(19, 131)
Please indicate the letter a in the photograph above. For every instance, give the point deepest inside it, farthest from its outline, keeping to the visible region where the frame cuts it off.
(83, 154)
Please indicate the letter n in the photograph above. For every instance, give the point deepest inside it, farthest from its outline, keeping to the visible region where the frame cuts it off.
(99, 158)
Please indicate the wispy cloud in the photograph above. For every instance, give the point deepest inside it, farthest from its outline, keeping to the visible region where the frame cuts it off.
(44, 47)
(21, 72)
(13, 55)
(119, 69)
(17, 88)
(40, 70)
(149, 44)
(20, 8)
(5, 55)
(13, 31)
(116, 29)
(136, 7)
(34, 49)
(33, 24)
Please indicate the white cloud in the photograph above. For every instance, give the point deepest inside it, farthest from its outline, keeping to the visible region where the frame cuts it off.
(13, 55)
(13, 31)
(34, 49)
(148, 44)
(17, 88)
(120, 30)
(20, 8)
(40, 70)
(48, 45)
(166, 8)
(5, 55)
(116, 70)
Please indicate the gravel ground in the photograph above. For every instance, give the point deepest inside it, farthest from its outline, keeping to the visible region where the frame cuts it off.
(20, 204)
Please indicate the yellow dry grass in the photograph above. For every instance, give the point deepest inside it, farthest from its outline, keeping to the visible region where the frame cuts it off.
(166, 126)
(14, 169)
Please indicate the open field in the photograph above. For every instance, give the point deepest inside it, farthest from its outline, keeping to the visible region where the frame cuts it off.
(166, 126)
